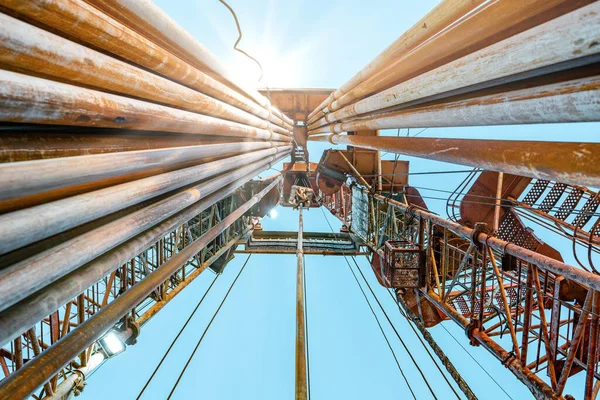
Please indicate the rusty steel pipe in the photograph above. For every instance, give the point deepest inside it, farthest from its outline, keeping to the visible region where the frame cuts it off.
(572, 101)
(29, 225)
(37, 176)
(148, 19)
(498, 203)
(16, 319)
(300, 366)
(560, 44)
(436, 20)
(26, 277)
(46, 142)
(569, 162)
(35, 100)
(494, 21)
(23, 382)
(29, 49)
(79, 19)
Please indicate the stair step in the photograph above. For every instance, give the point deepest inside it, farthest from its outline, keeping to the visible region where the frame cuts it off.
(536, 191)
(512, 230)
(552, 197)
(587, 210)
(567, 207)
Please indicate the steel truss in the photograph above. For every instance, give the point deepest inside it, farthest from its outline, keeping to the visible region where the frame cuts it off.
(540, 323)
(326, 244)
(51, 329)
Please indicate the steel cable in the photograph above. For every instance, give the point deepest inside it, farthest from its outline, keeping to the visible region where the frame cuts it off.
(207, 328)
(477, 362)
(176, 338)
(376, 318)
(239, 29)
(397, 333)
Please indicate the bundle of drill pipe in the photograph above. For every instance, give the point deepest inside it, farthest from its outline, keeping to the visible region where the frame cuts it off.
(477, 63)
(116, 125)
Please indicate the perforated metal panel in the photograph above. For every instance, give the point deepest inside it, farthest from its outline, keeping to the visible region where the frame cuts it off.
(536, 192)
(360, 213)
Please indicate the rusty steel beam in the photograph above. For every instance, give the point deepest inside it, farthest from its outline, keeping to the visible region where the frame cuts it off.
(78, 19)
(460, 381)
(66, 386)
(435, 21)
(167, 297)
(300, 370)
(30, 225)
(28, 276)
(570, 162)
(570, 101)
(26, 48)
(494, 21)
(310, 252)
(35, 100)
(560, 44)
(37, 371)
(539, 388)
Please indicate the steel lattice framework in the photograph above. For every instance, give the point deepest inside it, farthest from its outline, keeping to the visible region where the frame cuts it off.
(128, 154)
(474, 279)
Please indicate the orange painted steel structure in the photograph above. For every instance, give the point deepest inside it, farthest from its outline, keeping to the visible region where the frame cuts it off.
(113, 112)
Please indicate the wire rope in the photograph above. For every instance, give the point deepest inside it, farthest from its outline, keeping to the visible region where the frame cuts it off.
(477, 362)
(207, 328)
(239, 29)
(176, 338)
(376, 318)
(397, 333)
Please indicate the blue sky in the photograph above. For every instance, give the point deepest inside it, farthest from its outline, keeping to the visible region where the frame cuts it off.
(249, 350)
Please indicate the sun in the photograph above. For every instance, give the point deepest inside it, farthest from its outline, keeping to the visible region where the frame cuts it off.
(280, 68)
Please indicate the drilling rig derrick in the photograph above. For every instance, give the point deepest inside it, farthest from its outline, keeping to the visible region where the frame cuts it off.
(129, 156)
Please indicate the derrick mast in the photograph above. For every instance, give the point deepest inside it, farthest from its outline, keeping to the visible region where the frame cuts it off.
(129, 161)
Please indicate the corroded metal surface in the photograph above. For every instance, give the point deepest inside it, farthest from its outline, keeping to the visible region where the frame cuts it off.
(559, 44)
(435, 21)
(34, 100)
(27, 379)
(35, 51)
(125, 140)
(121, 143)
(571, 162)
(570, 101)
(486, 25)
(459, 287)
